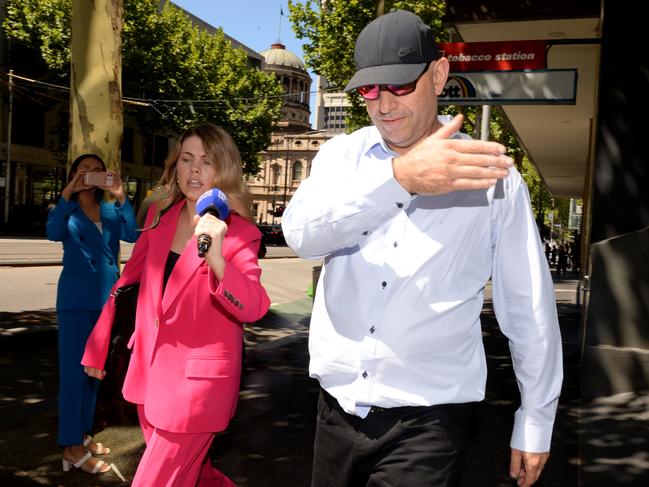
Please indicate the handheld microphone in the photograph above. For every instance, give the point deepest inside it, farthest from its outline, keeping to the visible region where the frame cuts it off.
(214, 202)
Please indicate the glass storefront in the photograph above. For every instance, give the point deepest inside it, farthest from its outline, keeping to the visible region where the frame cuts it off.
(35, 187)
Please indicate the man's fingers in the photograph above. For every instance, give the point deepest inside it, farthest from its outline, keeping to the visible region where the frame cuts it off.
(526, 467)
(470, 146)
(483, 160)
(466, 145)
(463, 184)
(515, 463)
(448, 129)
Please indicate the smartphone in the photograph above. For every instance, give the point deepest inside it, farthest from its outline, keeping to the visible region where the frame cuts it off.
(100, 179)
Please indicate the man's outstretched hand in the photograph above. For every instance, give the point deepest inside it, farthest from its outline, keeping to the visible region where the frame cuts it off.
(438, 165)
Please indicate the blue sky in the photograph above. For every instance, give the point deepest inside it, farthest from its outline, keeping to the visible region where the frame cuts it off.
(255, 23)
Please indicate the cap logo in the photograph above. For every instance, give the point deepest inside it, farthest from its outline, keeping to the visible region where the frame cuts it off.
(404, 51)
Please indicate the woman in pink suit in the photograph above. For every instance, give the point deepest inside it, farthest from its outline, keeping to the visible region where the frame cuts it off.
(186, 349)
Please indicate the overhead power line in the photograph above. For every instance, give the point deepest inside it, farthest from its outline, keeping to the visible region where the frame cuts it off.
(149, 101)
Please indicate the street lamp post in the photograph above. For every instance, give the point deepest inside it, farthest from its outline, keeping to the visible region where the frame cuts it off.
(272, 180)
(272, 215)
(8, 168)
(286, 167)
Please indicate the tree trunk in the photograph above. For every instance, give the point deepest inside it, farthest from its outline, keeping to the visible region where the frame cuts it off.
(380, 8)
(96, 113)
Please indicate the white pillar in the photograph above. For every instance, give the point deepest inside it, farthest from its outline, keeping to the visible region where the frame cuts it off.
(486, 117)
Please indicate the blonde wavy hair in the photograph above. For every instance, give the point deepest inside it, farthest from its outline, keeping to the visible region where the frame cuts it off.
(224, 155)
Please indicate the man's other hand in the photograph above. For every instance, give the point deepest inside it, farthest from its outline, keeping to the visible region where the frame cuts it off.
(526, 467)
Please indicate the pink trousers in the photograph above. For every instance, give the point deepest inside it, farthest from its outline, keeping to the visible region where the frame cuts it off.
(176, 459)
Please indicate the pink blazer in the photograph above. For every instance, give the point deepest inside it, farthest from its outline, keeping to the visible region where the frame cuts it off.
(186, 349)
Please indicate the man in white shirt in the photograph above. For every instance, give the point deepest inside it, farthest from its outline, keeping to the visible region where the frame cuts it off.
(412, 219)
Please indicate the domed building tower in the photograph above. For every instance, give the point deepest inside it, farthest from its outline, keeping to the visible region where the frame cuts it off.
(287, 160)
(290, 70)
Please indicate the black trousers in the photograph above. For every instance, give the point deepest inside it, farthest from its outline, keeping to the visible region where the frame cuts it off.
(404, 446)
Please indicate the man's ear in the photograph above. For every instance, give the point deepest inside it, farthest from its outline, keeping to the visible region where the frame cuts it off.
(440, 74)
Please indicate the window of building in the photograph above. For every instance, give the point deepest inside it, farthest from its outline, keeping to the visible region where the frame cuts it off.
(127, 145)
(28, 124)
(275, 172)
(161, 150)
(297, 171)
(156, 149)
(63, 129)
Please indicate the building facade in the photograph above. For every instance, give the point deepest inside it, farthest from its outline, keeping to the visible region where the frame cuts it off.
(287, 160)
(331, 108)
(34, 131)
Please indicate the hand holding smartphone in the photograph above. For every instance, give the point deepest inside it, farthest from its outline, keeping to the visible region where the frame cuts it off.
(99, 179)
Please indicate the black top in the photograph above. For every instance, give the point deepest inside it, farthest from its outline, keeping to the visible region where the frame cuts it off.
(172, 258)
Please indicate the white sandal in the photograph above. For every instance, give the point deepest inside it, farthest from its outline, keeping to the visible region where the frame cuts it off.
(100, 448)
(95, 470)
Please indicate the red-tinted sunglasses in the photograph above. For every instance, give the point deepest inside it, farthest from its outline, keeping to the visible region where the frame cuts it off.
(372, 92)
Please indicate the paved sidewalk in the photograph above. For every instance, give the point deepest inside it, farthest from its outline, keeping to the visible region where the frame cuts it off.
(21, 252)
(28, 387)
(269, 442)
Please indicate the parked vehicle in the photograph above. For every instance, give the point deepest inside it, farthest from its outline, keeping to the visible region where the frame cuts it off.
(261, 253)
(273, 234)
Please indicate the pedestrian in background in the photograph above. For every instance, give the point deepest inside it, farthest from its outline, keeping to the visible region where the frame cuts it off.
(186, 349)
(562, 259)
(420, 219)
(90, 229)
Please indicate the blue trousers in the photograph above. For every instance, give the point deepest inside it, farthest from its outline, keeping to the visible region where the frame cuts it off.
(77, 390)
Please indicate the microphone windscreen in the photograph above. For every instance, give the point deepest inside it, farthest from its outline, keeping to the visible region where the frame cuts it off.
(214, 201)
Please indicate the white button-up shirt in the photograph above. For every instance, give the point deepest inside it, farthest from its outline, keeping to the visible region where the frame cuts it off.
(396, 317)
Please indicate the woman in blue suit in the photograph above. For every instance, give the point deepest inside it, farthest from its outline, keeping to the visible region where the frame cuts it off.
(90, 229)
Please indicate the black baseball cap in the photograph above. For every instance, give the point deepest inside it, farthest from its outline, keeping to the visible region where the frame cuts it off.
(393, 49)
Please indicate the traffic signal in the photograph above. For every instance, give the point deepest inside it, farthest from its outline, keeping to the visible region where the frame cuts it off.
(279, 211)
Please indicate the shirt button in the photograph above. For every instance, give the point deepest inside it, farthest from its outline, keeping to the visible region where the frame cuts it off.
(364, 374)
(156, 322)
(395, 244)
(383, 284)
(365, 232)
(372, 329)
(399, 205)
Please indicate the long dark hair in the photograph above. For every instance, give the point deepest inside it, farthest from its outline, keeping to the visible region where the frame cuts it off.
(99, 193)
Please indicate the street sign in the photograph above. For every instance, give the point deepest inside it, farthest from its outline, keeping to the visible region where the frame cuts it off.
(495, 56)
(554, 86)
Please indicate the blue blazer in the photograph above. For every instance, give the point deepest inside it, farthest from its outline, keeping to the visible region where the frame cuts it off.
(90, 258)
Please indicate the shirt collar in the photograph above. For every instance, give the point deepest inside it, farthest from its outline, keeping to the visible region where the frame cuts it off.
(376, 142)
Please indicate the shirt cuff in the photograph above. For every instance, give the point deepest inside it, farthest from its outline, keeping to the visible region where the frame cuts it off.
(529, 436)
(381, 177)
